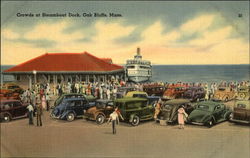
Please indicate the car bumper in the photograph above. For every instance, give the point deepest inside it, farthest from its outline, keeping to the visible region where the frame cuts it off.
(198, 123)
(239, 121)
(54, 117)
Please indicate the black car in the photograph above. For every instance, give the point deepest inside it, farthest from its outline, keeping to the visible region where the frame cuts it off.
(71, 108)
(169, 111)
(194, 93)
(90, 98)
(12, 109)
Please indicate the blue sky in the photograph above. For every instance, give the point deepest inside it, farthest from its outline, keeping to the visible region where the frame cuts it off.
(168, 32)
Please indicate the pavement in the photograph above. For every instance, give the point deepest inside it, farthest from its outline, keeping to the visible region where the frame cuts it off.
(82, 138)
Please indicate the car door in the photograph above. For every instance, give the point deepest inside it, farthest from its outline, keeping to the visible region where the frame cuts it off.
(218, 112)
(79, 107)
(18, 109)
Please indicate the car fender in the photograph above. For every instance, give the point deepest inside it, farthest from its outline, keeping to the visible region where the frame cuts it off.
(227, 115)
(101, 113)
(131, 117)
(4, 113)
(64, 114)
(208, 118)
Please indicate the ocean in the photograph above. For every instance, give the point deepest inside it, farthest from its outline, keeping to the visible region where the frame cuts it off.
(187, 73)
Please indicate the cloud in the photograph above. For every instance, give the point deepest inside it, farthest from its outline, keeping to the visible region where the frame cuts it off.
(106, 32)
(195, 41)
(198, 24)
(9, 34)
(53, 31)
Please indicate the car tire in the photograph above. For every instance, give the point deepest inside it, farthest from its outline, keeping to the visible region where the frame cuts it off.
(135, 120)
(100, 119)
(226, 99)
(70, 117)
(210, 123)
(6, 118)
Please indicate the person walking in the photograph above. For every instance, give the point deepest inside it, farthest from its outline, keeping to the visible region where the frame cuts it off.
(182, 115)
(30, 110)
(114, 118)
(39, 114)
(157, 110)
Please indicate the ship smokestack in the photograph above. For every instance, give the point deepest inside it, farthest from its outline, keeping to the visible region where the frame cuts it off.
(138, 51)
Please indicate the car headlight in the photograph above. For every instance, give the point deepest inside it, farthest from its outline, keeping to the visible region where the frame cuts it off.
(231, 115)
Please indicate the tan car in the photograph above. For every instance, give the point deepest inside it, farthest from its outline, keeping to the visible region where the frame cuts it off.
(243, 93)
(224, 94)
(241, 112)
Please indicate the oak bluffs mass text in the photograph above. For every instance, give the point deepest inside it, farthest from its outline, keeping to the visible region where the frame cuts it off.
(69, 14)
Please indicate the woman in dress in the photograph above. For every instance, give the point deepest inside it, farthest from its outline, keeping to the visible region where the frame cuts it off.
(44, 105)
(182, 115)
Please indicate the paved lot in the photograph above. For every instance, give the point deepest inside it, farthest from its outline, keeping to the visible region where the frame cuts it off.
(82, 138)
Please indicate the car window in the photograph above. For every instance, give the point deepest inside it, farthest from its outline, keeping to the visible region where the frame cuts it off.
(110, 104)
(6, 106)
(203, 107)
(78, 103)
(16, 104)
(119, 105)
(243, 106)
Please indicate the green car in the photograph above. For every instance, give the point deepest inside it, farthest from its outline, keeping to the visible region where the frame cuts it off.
(209, 113)
(135, 110)
(90, 98)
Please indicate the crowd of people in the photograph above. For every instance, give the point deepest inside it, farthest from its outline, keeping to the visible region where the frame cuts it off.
(39, 96)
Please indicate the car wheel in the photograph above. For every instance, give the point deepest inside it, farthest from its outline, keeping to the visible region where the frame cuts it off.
(70, 117)
(210, 123)
(135, 120)
(197, 99)
(226, 99)
(100, 119)
(6, 118)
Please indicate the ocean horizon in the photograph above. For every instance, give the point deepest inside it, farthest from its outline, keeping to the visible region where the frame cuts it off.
(187, 73)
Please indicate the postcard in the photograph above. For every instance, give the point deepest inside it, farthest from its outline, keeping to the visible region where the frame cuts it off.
(127, 79)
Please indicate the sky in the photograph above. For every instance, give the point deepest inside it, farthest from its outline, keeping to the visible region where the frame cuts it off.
(167, 32)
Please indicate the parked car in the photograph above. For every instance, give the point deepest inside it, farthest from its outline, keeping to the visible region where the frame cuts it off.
(243, 93)
(194, 93)
(12, 109)
(137, 94)
(241, 112)
(6, 94)
(135, 110)
(122, 91)
(13, 87)
(154, 89)
(174, 92)
(209, 113)
(224, 94)
(70, 108)
(101, 111)
(169, 110)
(90, 98)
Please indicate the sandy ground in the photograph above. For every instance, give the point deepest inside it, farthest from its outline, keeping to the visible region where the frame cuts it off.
(81, 138)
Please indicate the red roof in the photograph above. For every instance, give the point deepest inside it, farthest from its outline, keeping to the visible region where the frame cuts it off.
(69, 62)
(109, 60)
